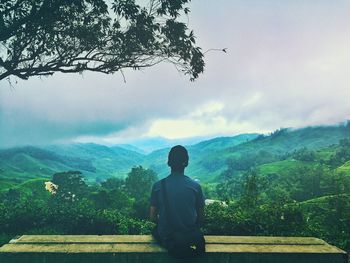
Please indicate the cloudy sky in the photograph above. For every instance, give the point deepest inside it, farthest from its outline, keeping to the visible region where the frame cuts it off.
(288, 65)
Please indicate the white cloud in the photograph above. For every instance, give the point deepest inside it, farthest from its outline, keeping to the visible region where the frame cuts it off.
(185, 128)
(287, 66)
(204, 121)
(211, 108)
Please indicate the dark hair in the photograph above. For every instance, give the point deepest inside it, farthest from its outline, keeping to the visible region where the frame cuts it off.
(178, 157)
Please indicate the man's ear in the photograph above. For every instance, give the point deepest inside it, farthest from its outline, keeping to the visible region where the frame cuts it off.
(185, 164)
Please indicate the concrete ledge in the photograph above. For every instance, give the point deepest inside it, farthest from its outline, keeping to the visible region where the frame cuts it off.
(129, 248)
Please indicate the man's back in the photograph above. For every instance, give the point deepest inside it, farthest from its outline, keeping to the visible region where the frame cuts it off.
(177, 206)
(185, 199)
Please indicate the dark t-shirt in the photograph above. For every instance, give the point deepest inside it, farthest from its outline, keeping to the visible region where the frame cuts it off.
(185, 197)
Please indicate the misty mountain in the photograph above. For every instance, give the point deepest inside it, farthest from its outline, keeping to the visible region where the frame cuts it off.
(130, 148)
(93, 160)
(205, 163)
(149, 145)
(208, 159)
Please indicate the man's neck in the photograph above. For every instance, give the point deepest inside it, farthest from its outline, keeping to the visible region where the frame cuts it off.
(177, 172)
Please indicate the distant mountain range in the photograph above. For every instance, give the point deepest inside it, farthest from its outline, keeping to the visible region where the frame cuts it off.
(208, 159)
(148, 145)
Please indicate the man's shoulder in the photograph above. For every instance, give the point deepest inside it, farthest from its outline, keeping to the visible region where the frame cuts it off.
(190, 180)
(156, 186)
(185, 179)
(192, 183)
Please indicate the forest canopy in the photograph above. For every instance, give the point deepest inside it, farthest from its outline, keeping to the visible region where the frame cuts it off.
(41, 37)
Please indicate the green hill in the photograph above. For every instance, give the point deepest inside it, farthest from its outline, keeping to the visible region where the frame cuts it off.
(27, 189)
(94, 161)
(30, 162)
(208, 159)
(205, 162)
(344, 168)
(106, 161)
(281, 167)
(288, 140)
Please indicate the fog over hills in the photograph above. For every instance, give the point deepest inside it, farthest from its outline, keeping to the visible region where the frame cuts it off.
(208, 159)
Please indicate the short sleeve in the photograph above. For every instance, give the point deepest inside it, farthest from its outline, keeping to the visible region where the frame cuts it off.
(200, 200)
(154, 198)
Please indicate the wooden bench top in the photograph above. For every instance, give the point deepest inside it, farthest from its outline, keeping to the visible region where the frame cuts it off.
(242, 248)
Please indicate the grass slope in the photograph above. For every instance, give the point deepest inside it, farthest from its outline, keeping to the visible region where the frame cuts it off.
(94, 161)
(345, 168)
(288, 140)
(281, 167)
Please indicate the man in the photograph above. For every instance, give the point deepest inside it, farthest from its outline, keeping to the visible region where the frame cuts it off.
(177, 207)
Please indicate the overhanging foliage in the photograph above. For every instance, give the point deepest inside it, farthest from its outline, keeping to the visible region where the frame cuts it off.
(41, 37)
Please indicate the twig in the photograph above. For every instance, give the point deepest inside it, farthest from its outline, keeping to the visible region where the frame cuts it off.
(121, 71)
(216, 49)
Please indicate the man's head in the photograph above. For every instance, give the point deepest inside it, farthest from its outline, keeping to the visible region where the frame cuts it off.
(178, 158)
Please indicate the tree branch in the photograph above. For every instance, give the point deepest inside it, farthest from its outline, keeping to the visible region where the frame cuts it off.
(57, 36)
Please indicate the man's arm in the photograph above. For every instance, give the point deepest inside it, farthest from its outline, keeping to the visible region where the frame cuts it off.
(200, 216)
(153, 214)
(200, 203)
(153, 205)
